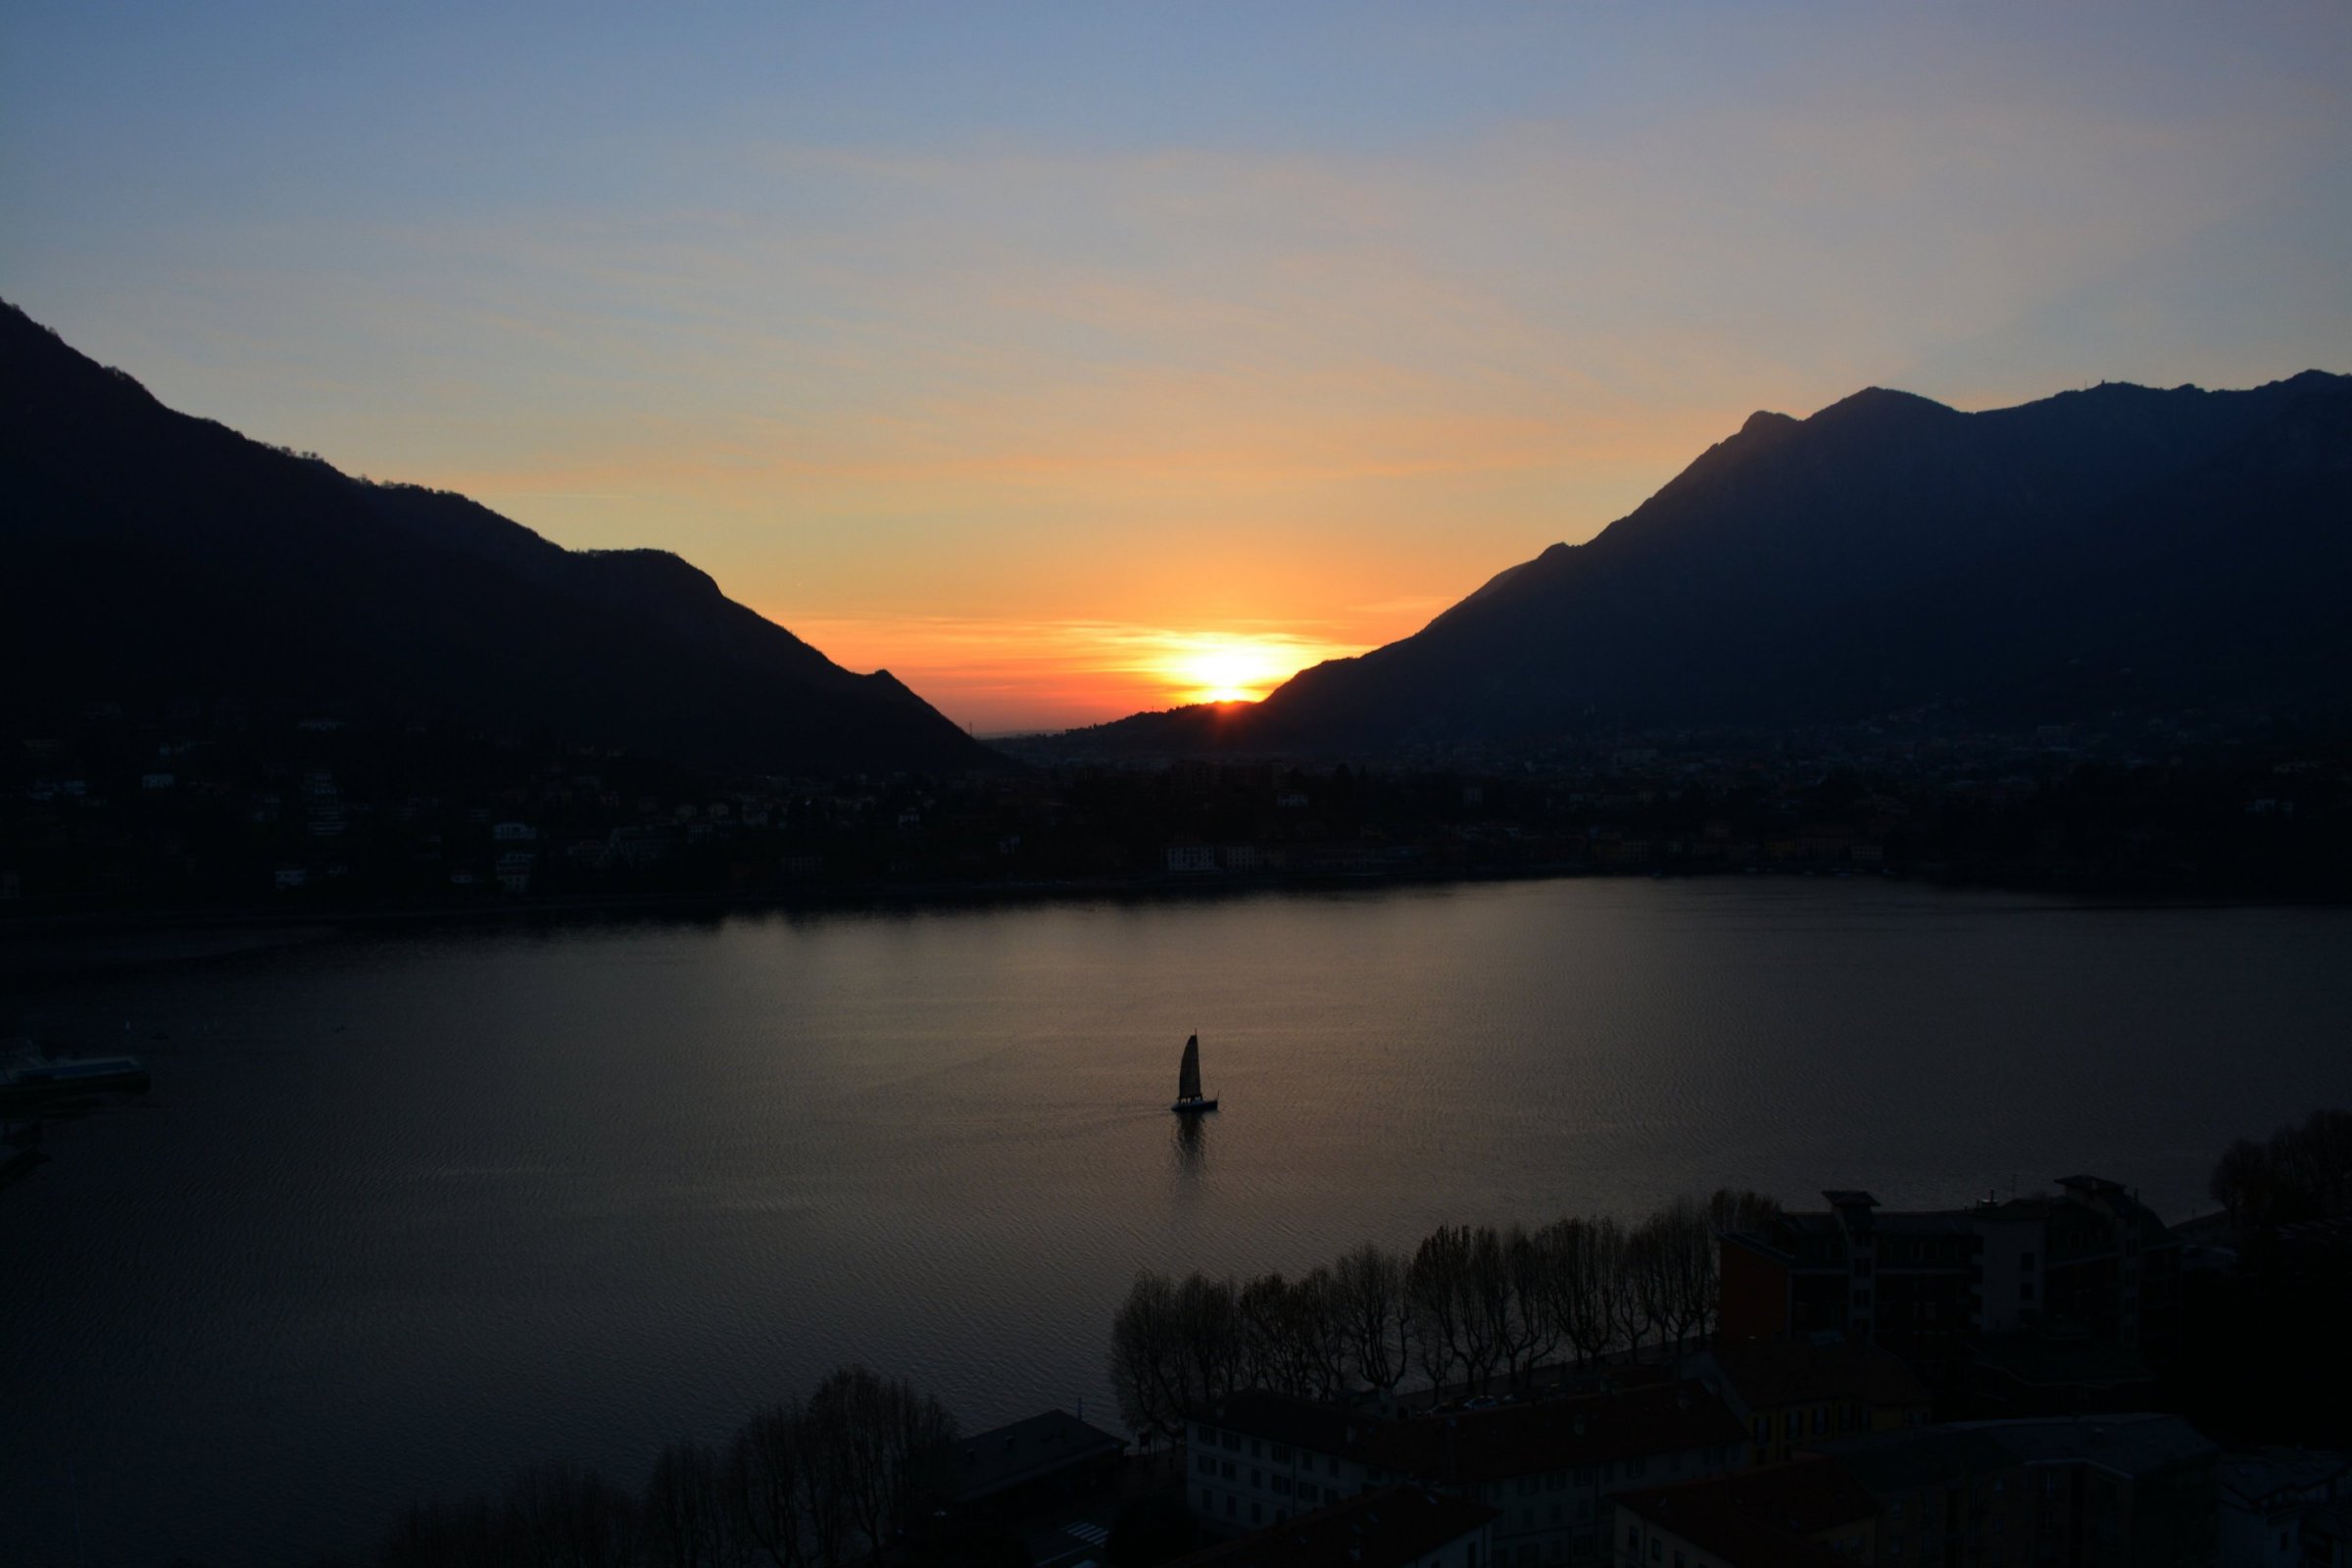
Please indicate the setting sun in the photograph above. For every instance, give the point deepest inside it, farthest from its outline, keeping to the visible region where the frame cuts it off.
(1232, 670)
(1015, 677)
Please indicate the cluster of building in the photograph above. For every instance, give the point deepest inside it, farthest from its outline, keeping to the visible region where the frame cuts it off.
(2051, 1303)
(1667, 1474)
(320, 809)
(1943, 1388)
(201, 803)
(2050, 815)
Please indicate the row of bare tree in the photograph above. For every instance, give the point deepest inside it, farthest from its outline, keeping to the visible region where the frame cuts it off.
(824, 1482)
(2299, 1172)
(1474, 1306)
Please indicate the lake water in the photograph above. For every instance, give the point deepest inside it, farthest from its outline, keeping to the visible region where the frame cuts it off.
(408, 1209)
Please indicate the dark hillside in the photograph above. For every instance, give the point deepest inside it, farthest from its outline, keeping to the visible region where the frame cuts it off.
(150, 555)
(2119, 549)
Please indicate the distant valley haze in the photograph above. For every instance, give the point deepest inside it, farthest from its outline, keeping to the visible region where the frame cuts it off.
(1071, 364)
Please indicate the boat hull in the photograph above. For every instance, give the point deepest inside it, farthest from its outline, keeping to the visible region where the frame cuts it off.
(44, 1081)
(1193, 1107)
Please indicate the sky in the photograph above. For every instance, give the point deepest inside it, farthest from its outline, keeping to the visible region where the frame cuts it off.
(1070, 360)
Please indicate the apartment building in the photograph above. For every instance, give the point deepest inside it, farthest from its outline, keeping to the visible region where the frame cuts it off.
(1547, 1465)
(1934, 1286)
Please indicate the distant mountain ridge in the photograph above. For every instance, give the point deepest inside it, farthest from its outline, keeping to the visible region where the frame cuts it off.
(145, 552)
(2120, 546)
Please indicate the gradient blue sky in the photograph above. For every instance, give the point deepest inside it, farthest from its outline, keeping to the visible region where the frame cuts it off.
(1039, 353)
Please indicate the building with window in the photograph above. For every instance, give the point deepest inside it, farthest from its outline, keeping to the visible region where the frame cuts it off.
(1946, 1497)
(2089, 1261)
(2265, 1499)
(1051, 1455)
(1791, 1393)
(1809, 1514)
(2098, 1491)
(1547, 1466)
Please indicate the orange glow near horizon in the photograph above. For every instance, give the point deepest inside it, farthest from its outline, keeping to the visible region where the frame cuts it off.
(1004, 676)
(1155, 381)
(1231, 670)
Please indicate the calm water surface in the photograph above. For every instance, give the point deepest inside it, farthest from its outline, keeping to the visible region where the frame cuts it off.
(406, 1211)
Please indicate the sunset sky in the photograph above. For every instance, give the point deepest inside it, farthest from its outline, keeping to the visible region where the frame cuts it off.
(1071, 360)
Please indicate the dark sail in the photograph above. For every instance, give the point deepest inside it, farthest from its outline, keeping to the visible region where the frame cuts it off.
(1188, 1077)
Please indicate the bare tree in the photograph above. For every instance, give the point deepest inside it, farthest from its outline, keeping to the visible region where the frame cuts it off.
(1208, 1326)
(1146, 1367)
(562, 1516)
(1293, 1336)
(1433, 1293)
(782, 1501)
(1508, 1335)
(1377, 1319)
(815, 1484)
(2241, 1183)
(2299, 1173)
(1684, 1247)
(684, 1509)
(1613, 1276)
(1266, 1352)
(443, 1534)
(1486, 1302)
(1645, 1295)
(1174, 1348)
(1532, 1332)
(1740, 1210)
(1573, 1285)
(873, 1429)
(1318, 1335)
(1451, 1325)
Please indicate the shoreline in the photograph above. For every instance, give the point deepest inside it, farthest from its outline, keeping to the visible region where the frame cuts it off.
(78, 941)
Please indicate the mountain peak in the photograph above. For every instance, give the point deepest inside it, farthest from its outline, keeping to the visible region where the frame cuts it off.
(2100, 550)
(1880, 402)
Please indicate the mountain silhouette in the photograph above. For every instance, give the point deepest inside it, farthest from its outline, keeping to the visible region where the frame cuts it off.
(146, 555)
(2119, 548)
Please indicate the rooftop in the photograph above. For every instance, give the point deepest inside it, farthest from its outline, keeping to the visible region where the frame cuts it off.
(2054, 1357)
(1807, 1497)
(2127, 1444)
(1557, 1434)
(1287, 1418)
(1510, 1440)
(1395, 1527)
(1920, 1456)
(1717, 1522)
(1768, 1373)
(996, 1461)
(2131, 1445)
(1817, 1238)
(2284, 1475)
(1928, 1222)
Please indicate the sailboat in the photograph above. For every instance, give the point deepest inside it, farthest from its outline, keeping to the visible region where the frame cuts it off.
(1188, 1082)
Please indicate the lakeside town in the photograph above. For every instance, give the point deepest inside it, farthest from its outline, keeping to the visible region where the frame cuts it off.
(1176, 785)
(190, 807)
(2055, 1377)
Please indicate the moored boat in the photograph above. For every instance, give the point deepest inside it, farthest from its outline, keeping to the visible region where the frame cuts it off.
(46, 1078)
